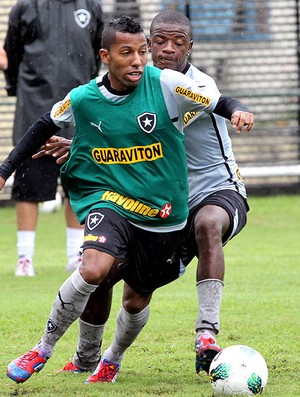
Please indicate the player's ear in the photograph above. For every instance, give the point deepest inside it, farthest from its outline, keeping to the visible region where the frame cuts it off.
(149, 44)
(104, 55)
(190, 46)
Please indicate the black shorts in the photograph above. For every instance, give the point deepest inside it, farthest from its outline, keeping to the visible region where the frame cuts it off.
(150, 260)
(236, 207)
(36, 180)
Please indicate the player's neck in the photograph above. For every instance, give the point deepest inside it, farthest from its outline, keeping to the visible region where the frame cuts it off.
(112, 90)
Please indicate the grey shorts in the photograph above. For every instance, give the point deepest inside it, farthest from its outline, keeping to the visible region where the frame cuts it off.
(150, 260)
(236, 207)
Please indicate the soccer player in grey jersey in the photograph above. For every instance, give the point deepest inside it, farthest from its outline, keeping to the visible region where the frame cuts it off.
(218, 208)
(217, 194)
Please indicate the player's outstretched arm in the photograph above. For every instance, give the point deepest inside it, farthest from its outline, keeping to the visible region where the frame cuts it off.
(241, 119)
(236, 111)
(35, 136)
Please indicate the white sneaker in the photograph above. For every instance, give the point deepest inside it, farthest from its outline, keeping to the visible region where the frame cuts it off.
(24, 267)
(74, 263)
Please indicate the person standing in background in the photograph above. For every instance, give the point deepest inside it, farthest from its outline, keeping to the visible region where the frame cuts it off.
(52, 46)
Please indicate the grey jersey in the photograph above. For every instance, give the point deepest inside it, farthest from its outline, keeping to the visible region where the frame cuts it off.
(211, 163)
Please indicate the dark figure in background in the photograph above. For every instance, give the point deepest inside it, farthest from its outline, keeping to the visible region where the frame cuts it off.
(52, 46)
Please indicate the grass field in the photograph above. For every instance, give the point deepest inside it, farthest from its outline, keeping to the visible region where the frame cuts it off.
(260, 308)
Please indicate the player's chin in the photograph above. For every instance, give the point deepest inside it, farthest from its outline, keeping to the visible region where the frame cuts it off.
(163, 64)
(132, 83)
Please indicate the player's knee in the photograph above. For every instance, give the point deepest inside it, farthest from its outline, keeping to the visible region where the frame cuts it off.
(133, 307)
(211, 224)
(208, 228)
(135, 303)
(95, 266)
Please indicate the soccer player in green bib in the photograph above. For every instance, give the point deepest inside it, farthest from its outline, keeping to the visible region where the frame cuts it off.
(126, 175)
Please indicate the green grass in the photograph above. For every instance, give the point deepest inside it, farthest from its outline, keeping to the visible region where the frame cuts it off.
(260, 308)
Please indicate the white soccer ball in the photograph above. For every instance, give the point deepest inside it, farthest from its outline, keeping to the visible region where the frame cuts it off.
(238, 371)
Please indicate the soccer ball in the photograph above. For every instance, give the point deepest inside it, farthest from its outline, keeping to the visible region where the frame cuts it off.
(238, 371)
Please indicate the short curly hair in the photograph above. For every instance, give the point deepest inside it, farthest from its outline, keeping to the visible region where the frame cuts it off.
(124, 24)
(171, 17)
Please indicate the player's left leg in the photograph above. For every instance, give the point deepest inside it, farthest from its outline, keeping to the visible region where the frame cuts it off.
(218, 218)
(131, 319)
(91, 328)
(73, 295)
(210, 222)
(92, 323)
(152, 263)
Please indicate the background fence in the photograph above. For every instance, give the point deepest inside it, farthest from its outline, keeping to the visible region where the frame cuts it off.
(251, 48)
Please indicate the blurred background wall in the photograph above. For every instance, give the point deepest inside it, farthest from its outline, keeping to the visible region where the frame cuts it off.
(251, 49)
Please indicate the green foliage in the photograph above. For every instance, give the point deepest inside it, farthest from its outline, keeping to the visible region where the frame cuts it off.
(260, 308)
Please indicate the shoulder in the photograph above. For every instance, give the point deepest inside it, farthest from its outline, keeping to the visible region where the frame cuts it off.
(151, 75)
(152, 71)
(172, 76)
(200, 77)
(176, 80)
(84, 87)
(92, 2)
(21, 6)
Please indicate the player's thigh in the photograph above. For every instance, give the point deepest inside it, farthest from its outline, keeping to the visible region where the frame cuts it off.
(232, 209)
(106, 239)
(107, 231)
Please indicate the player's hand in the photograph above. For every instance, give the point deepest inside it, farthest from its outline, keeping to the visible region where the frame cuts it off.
(240, 119)
(2, 183)
(56, 147)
